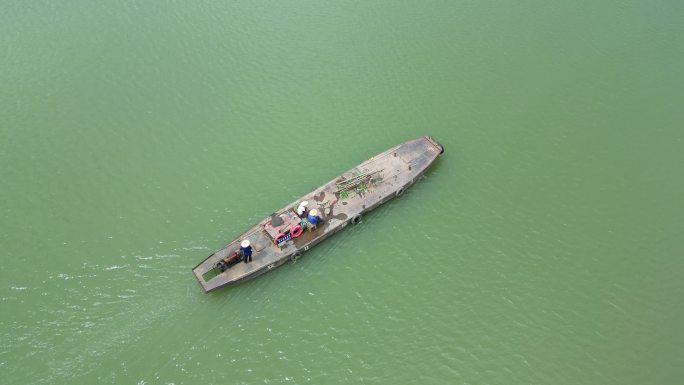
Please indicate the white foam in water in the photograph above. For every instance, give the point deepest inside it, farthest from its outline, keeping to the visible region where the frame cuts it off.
(115, 267)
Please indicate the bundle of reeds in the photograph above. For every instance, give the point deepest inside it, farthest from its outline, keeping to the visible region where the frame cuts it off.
(355, 181)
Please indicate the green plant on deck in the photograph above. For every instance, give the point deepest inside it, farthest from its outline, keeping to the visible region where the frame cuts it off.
(361, 189)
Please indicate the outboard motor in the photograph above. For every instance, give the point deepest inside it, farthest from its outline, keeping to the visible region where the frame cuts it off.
(222, 265)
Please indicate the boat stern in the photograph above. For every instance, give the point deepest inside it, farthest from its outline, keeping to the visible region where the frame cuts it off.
(199, 272)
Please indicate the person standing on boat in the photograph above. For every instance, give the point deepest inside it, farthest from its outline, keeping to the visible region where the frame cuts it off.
(246, 250)
(313, 217)
(301, 210)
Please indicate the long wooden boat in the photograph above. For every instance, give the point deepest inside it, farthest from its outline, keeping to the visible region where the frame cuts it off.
(284, 235)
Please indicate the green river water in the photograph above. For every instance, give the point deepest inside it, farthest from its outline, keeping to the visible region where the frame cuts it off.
(544, 247)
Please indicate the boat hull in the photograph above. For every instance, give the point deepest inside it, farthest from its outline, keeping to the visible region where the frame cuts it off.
(385, 176)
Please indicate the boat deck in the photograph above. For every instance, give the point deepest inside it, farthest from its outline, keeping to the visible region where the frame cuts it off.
(390, 172)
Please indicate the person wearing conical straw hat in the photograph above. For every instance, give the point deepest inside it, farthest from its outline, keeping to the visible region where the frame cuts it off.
(246, 250)
(313, 217)
(301, 210)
